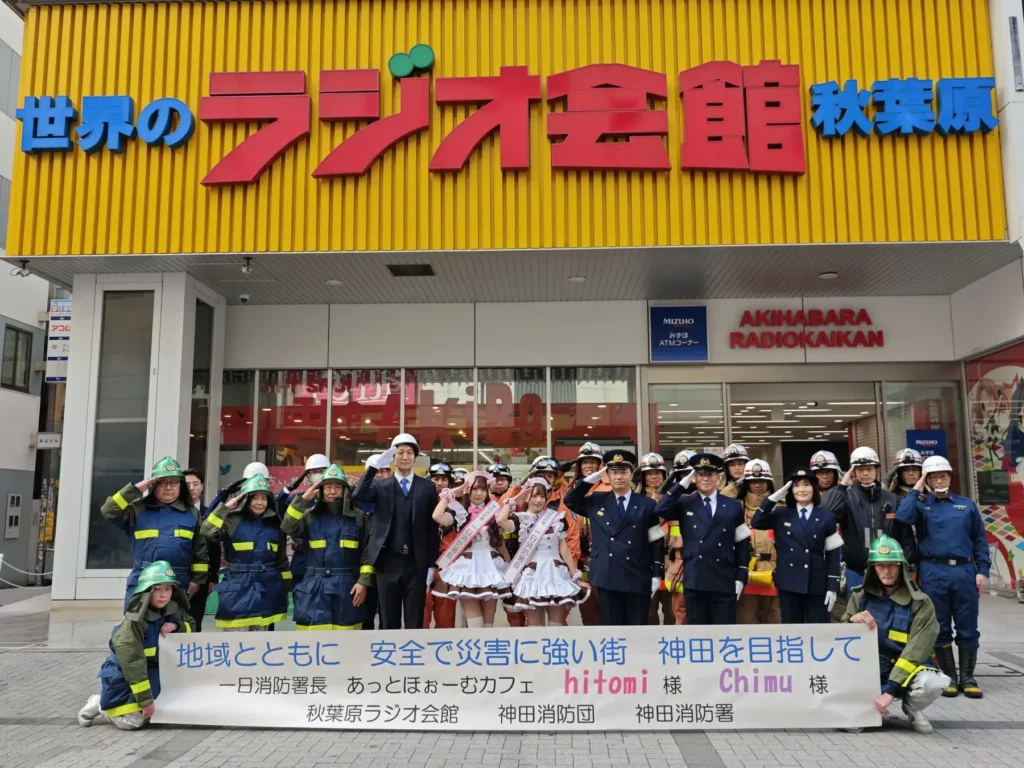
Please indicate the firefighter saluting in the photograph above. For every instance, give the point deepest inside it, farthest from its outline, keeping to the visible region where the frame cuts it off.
(579, 538)
(759, 603)
(650, 476)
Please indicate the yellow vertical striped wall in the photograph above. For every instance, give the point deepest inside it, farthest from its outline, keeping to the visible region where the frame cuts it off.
(150, 200)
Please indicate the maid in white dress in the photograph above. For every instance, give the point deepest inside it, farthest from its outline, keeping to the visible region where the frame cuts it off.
(475, 573)
(547, 582)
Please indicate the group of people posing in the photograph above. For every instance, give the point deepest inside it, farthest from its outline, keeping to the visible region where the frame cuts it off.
(709, 540)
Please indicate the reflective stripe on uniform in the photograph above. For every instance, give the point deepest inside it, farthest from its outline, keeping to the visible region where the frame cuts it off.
(215, 521)
(272, 546)
(325, 627)
(150, 652)
(349, 544)
(673, 530)
(252, 621)
(124, 709)
(907, 666)
(317, 543)
(188, 628)
(899, 637)
(119, 500)
(148, 533)
(200, 568)
(286, 574)
(242, 546)
(140, 687)
(181, 533)
(367, 569)
(293, 512)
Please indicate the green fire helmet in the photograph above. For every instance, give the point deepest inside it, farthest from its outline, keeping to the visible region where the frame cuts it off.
(886, 550)
(256, 484)
(334, 474)
(159, 572)
(167, 467)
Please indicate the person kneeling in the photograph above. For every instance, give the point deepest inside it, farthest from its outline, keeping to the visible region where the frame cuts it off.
(904, 616)
(130, 676)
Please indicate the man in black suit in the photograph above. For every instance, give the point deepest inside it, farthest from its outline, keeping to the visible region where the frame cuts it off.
(627, 558)
(404, 538)
(716, 542)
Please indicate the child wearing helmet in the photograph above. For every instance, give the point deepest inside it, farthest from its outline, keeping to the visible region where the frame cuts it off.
(650, 476)
(253, 594)
(473, 567)
(759, 603)
(544, 574)
(904, 619)
(130, 677)
(161, 522)
(338, 575)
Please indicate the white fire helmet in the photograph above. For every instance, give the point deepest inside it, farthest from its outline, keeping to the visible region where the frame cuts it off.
(735, 452)
(317, 461)
(255, 468)
(652, 462)
(682, 459)
(864, 457)
(936, 464)
(908, 457)
(757, 469)
(406, 439)
(825, 460)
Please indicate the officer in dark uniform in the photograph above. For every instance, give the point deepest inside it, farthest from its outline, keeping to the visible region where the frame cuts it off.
(716, 542)
(626, 556)
(807, 549)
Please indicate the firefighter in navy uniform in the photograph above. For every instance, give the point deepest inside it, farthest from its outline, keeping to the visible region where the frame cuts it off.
(627, 557)
(954, 567)
(716, 542)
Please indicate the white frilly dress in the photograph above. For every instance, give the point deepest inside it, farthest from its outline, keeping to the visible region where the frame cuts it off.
(479, 573)
(546, 580)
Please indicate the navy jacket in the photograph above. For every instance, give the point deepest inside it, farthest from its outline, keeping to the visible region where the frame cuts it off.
(807, 559)
(383, 495)
(950, 527)
(716, 553)
(621, 556)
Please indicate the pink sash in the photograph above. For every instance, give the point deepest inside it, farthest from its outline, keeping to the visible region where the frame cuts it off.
(529, 545)
(467, 534)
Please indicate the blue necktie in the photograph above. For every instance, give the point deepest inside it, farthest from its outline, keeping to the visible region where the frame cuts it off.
(405, 486)
(622, 506)
(707, 508)
(803, 517)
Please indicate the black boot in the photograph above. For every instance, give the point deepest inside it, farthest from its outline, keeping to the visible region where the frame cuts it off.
(969, 686)
(944, 656)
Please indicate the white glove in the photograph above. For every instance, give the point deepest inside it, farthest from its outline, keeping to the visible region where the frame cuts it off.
(369, 463)
(739, 589)
(594, 477)
(685, 482)
(431, 573)
(830, 600)
(655, 585)
(386, 458)
(780, 494)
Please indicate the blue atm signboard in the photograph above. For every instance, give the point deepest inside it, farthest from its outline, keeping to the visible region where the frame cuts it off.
(679, 334)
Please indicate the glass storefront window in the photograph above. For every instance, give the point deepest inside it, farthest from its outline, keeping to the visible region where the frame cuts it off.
(122, 414)
(439, 413)
(512, 417)
(923, 416)
(292, 421)
(365, 415)
(236, 417)
(202, 352)
(686, 416)
(597, 404)
(785, 424)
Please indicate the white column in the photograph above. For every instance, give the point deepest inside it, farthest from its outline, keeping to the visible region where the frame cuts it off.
(1007, 55)
(177, 323)
(76, 462)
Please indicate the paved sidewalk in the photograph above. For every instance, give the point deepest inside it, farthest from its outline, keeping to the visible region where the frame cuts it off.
(42, 687)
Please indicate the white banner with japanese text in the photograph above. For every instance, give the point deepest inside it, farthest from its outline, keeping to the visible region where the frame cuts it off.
(533, 679)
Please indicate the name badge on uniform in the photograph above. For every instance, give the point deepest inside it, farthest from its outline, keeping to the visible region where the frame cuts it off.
(960, 506)
(689, 514)
(788, 525)
(600, 513)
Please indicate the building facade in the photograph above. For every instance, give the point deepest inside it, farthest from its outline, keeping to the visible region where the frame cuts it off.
(303, 227)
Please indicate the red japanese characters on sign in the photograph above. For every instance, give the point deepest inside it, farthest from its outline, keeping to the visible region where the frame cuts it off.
(734, 118)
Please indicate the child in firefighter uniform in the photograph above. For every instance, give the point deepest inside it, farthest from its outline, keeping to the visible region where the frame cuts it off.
(253, 592)
(158, 516)
(648, 479)
(130, 677)
(544, 574)
(338, 571)
(759, 603)
(891, 603)
(440, 610)
(954, 567)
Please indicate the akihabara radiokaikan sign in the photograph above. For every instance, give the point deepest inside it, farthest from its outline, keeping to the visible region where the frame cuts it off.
(735, 118)
(812, 328)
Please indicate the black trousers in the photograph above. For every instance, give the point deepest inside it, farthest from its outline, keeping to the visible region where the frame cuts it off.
(803, 609)
(197, 605)
(371, 609)
(622, 609)
(703, 607)
(401, 591)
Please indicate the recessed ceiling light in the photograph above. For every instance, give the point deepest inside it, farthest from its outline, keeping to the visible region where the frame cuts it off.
(602, 406)
(828, 275)
(577, 279)
(297, 421)
(673, 405)
(334, 282)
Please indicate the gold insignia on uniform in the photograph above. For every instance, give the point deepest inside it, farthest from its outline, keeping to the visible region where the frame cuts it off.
(705, 463)
(883, 550)
(820, 457)
(801, 473)
(600, 513)
(169, 572)
(617, 457)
